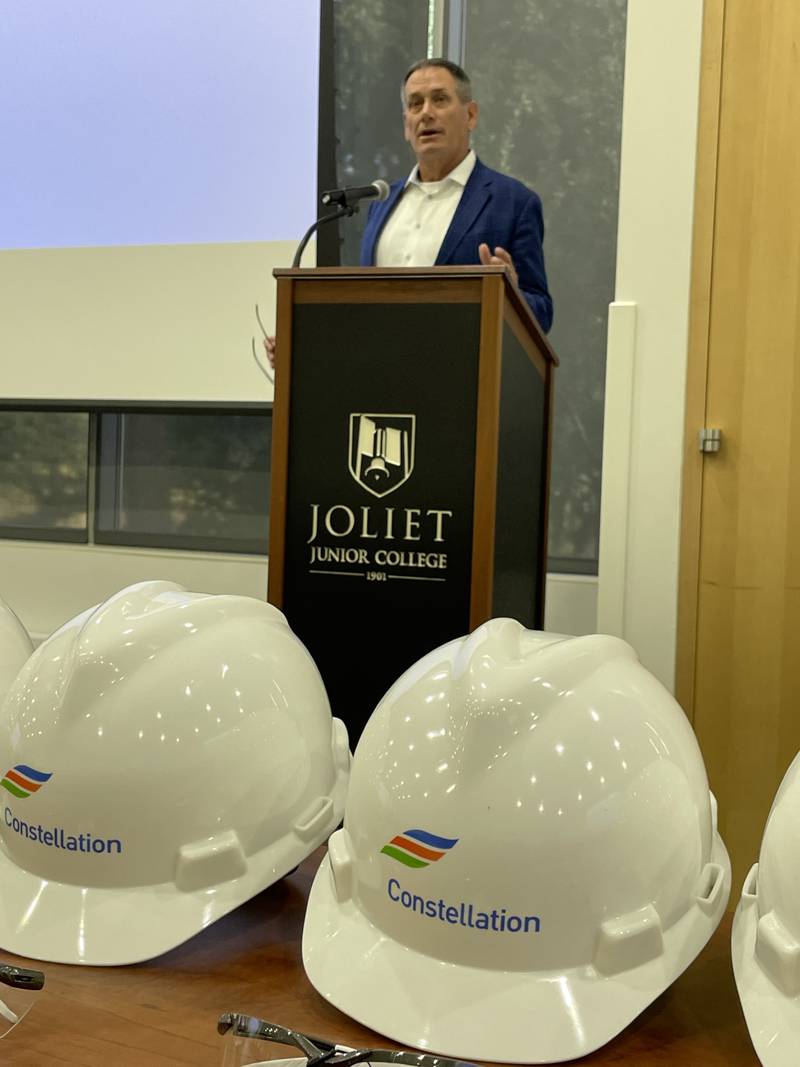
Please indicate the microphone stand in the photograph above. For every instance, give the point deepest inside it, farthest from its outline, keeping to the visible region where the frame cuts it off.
(345, 211)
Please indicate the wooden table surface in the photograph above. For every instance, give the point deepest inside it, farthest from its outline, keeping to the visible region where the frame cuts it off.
(164, 1012)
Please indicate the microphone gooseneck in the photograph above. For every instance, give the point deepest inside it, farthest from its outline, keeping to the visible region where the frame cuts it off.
(346, 201)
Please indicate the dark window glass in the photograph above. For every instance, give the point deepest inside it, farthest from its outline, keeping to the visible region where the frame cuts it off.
(548, 76)
(184, 480)
(375, 41)
(44, 460)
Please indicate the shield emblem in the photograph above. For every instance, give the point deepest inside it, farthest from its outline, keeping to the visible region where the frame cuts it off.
(381, 451)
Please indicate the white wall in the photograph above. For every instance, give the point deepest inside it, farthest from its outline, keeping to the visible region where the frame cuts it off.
(648, 333)
(46, 584)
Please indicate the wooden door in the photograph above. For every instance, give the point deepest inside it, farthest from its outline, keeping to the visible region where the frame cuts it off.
(739, 618)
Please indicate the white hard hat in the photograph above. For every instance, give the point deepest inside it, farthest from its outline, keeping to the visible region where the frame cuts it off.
(15, 647)
(765, 941)
(176, 755)
(529, 854)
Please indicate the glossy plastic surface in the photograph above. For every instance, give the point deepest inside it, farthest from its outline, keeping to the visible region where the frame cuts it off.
(167, 755)
(529, 854)
(15, 647)
(765, 940)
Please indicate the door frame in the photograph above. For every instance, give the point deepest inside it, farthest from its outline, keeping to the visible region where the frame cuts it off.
(697, 367)
(647, 353)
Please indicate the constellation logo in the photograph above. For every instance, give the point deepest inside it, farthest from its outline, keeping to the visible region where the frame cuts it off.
(462, 912)
(58, 837)
(418, 848)
(381, 451)
(22, 780)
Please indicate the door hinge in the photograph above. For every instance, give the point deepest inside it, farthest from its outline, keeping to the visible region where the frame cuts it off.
(709, 440)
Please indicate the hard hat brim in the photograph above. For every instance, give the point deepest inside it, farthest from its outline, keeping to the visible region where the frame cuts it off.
(478, 1014)
(60, 923)
(772, 1018)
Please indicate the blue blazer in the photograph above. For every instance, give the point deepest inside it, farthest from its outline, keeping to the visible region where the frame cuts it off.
(493, 208)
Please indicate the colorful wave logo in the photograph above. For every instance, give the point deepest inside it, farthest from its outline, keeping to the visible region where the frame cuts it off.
(22, 780)
(418, 848)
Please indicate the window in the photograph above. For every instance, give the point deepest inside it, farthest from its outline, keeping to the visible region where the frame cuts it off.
(548, 76)
(193, 479)
(184, 480)
(44, 464)
(375, 41)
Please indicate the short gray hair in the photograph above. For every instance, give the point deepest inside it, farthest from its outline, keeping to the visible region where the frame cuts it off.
(463, 84)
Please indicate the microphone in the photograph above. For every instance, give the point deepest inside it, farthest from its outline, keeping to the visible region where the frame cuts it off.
(377, 190)
(347, 201)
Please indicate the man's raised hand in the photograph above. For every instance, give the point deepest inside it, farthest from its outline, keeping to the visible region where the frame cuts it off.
(499, 258)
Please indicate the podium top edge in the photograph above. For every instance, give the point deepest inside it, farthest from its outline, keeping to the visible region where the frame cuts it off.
(476, 271)
(391, 272)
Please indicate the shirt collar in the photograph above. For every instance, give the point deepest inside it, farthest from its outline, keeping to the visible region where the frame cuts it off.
(459, 174)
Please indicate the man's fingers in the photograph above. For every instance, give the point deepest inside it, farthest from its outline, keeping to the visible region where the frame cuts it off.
(269, 348)
(500, 258)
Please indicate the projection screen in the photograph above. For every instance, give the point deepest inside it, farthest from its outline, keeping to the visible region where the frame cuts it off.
(159, 159)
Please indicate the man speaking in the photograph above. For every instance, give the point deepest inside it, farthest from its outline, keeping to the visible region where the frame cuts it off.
(452, 209)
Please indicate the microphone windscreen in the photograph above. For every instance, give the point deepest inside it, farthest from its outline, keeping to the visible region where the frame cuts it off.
(382, 187)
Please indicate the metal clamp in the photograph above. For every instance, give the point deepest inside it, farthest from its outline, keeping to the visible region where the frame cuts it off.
(709, 440)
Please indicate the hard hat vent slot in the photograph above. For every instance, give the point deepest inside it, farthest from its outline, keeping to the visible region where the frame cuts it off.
(713, 803)
(209, 862)
(750, 888)
(710, 887)
(778, 952)
(342, 868)
(340, 744)
(629, 941)
(314, 818)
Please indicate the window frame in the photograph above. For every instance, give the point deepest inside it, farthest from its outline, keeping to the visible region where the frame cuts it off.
(90, 535)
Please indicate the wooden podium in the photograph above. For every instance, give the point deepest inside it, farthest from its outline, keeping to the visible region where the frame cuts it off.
(410, 466)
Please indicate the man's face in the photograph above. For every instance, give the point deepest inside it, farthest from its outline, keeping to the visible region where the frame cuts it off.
(437, 124)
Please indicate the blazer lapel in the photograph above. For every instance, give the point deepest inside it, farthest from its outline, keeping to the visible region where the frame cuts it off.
(378, 221)
(473, 200)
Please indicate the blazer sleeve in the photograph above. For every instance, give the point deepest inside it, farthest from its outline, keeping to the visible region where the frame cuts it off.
(367, 250)
(528, 256)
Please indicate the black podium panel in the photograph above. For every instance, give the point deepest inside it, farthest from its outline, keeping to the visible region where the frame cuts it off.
(379, 507)
(517, 587)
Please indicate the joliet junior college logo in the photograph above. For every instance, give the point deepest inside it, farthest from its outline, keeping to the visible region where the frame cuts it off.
(381, 451)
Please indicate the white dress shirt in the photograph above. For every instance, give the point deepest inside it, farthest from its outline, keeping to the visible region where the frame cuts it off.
(415, 229)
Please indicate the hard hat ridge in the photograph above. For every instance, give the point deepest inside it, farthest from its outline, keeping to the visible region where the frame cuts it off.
(502, 655)
(161, 614)
(503, 680)
(98, 652)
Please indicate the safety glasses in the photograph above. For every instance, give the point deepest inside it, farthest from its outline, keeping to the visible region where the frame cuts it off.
(16, 1004)
(247, 1035)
